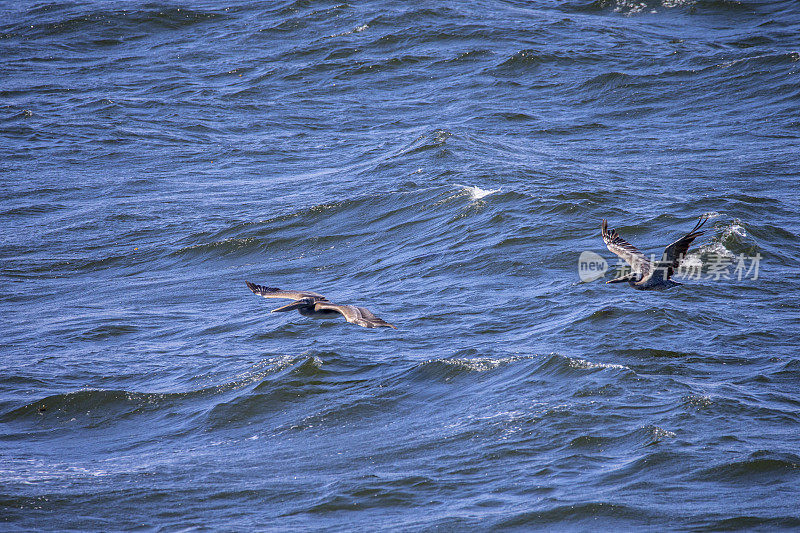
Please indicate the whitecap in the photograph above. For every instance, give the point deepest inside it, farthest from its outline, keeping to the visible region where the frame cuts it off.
(583, 364)
(657, 433)
(476, 193)
(719, 244)
(734, 229)
(357, 29)
(478, 364)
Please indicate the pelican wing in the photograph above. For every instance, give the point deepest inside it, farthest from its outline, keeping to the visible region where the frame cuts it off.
(675, 252)
(297, 304)
(272, 292)
(626, 251)
(355, 315)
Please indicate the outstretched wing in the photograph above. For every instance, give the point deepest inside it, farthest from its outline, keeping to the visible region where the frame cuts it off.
(297, 304)
(675, 252)
(272, 292)
(355, 315)
(626, 251)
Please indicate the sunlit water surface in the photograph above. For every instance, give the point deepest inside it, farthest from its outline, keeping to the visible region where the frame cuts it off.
(443, 165)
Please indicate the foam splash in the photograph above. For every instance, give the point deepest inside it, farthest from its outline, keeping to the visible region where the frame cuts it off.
(261, 370)
(575, 362)
(476, 193)
(734, 230)
(478, 364)
(657, 434)
(635, 7)
(729, 239)
(357, 29)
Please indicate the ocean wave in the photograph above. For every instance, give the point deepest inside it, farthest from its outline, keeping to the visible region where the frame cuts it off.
(435, 140)
(102, 27)
(634, 7)
(339, 387)
(698, 401)
(560, 365)
(660, 353)
(245, 237)
(777, 412)
(527, 61)
(640, 437)
(329, 225)
(36, 471)
(643, 7)
(373, 67)
(101, 404)
(106, 406)
(759, 465)
(453, 366)
(35, 267)
(531, 365)
(32, 210)
(580, 515)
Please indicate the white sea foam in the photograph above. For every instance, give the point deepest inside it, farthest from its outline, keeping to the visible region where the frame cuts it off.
(734, 229)
(575, 362)
(476, 193)
(633, 7)
(717, 246)
(478, 364)
(660, 433)
(357, 29)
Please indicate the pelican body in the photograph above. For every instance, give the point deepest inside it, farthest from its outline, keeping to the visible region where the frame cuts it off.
(315, 305)
(648, 275)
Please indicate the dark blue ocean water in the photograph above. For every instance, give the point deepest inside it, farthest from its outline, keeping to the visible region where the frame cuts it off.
(444, 165)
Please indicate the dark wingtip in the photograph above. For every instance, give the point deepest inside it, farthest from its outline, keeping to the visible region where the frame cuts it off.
(700, 223)
(260, 289)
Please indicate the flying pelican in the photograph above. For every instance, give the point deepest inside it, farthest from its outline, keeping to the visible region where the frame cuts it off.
(647, 275)
(316, 305)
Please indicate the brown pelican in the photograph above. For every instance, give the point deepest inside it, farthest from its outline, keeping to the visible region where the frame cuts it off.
(316, 305)
(648, 275)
